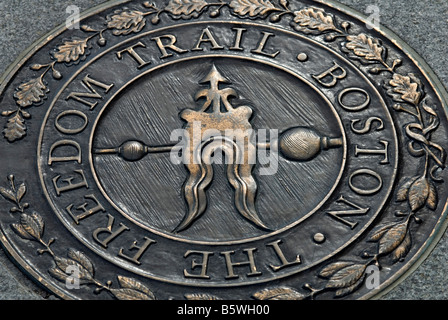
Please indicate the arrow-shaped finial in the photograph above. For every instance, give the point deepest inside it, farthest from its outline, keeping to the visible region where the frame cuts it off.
(214, 77)
(214, 94)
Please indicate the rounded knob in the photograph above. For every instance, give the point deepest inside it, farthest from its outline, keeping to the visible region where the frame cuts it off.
(303, 144)
(132, 150)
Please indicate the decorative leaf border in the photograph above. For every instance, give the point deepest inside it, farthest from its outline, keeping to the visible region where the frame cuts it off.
(70, 52)
(77, 267)
(344, 277)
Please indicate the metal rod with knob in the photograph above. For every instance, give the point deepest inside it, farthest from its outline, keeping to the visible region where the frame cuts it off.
(296, 144)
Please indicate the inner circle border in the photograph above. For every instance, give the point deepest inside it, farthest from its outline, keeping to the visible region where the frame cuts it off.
(224, 242)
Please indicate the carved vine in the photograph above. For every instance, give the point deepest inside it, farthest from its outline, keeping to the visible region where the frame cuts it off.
(77, 267)
(393, 239)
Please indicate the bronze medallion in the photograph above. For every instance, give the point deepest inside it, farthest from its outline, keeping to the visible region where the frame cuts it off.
(235, 149)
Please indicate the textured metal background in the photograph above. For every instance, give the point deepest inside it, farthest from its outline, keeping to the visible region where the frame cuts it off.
(420, 23)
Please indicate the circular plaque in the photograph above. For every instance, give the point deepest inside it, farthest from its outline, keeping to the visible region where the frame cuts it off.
(238, 149)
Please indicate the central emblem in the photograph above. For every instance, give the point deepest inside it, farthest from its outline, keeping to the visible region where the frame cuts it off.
(219, 122)
(220, 131)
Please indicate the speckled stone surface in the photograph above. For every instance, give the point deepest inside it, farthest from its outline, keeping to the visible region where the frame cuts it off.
(423, 24)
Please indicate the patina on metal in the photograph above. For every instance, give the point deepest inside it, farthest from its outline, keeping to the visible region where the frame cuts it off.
(199, 150)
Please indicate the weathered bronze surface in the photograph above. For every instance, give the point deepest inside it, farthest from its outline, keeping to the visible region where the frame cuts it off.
(244, 149)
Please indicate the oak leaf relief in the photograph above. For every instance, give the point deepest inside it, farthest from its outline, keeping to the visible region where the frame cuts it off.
(393, 238)
(30, 227)
(252, 8)
(312, 19)
(31, 92)
(132, 289)
(344, 277)
(364, 46)
(71, 50)
(15, 128)
(405, 89)
(124, 22)
(185, 8)
(419, 191)
(279, 293)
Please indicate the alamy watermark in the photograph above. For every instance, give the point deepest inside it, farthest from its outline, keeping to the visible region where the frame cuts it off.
(72, 22)
(373, 20)
(230, 146)
(72, 281)
(372, 280)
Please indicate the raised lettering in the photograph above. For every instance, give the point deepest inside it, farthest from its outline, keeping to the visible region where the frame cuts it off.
(250, 262)
(209, 39)
(355, 211)
(203, 264)
(86, 212)
(140, 251)
(108, 230)
(367, 125)
(67, 113)
(238, 38)
(357, 107)
(89, 83)
(281, 256)
(62, 144)
(69, 182)
(382, 152)
(262, 45)
(170, 45)
(363, 190)
(331, 75)
(131, 51)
